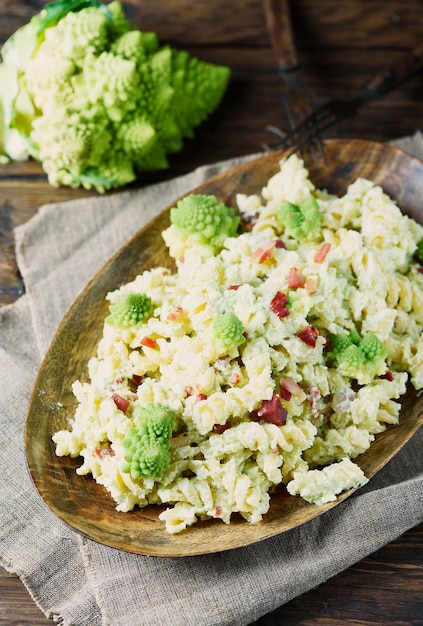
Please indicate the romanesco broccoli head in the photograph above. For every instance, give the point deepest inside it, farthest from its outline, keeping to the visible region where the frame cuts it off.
(356, 357)
(301, 222)
(145, 458)
(155, 420)
(83, 63)
(147, 447)
(339, 343)
(229, 329)
(205, 219)
(373, 348)
(130, 309)
(198, 86)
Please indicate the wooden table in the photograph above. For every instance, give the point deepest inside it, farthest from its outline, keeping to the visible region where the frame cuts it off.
(341, 44)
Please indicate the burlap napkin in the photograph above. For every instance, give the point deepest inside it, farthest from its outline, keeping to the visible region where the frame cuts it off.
(79, 582)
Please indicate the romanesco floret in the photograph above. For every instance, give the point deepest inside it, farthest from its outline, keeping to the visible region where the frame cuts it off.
(301, 222)
(359, 358)
(229, 329)
(205, 219)
(147, 446)
(155, 420)
(79, 72)
(130, 309)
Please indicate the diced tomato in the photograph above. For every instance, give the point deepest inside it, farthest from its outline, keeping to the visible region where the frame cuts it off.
(388, 376)
(137, 379)
(280, 244)
(264, 252)
(327, 342)
(295, 279)
(420, 270)
(195, 391)
(121, 403)
(278, 303)
(271, 412)
(309, 335)
(288, 385)
(148, 342)
(234, 287)
(175, 314)
(285, 394)
(248, 220)
(322, 252)
(217, 510)
(218, 429)
(234, 379)
(102, 452)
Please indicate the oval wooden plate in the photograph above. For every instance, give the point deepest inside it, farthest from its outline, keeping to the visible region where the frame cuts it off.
(86, 506)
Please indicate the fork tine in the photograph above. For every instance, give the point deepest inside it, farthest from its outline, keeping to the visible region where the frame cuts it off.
(309, 129)
(295, 112)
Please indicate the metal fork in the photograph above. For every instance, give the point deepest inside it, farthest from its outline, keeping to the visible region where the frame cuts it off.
(337, 110)
(298, 102)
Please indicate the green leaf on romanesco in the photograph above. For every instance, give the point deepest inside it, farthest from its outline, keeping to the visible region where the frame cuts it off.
(301, 222)
(130, 309)
(229, 329)
(205, 219)
(356, 357)
(147, 445)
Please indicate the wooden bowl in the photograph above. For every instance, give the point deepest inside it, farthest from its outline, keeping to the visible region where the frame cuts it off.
(86, 506)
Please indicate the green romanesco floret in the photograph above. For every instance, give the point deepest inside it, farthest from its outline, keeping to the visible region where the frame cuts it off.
(229, 329)
(362, 358)
(155, 420)
(80, 73)
(204, 219)
(130, 309)
(135, 45)
(419, 251)
(301, 222)
(147, 443)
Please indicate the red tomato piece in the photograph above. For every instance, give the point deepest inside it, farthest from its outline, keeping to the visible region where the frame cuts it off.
(309, 335)
(175, 314)
(264, 252)
(288, 385)
(121, 403)
(295, 279)
(271, 412)
(148, 342)
(322, 253)
(278, 303)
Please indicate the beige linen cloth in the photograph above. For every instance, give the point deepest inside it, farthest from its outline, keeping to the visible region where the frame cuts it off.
(79, 582)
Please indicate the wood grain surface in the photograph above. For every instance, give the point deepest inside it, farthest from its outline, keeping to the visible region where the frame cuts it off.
(340, 44)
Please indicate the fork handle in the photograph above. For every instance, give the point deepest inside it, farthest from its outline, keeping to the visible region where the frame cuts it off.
(392, 76)
(279, 26)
